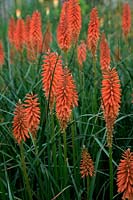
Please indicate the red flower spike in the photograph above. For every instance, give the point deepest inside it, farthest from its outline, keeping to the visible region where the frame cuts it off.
(52, 70)
(27, 29)
(64, 29)
(81, 53)
(35, 33)
(104, 53)
(19, 35)
(126, 19)
(111, 98)
(86, 164)
(47, 38)
(11, 30)
(1, 54)
(125, 175)
(93, 31)
(34, 40)
(20, 129)
(32, 112)
(75, 19)
(66, 98)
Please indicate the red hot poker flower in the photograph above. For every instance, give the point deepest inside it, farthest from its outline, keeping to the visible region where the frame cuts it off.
(93, 31)
(36, 31)
(104, 53)
(35, 36)
(75, 19)
(47, 39)
(64, 29)
(27, 29)
(81, 53)
(52, 70)
(86, 164)
(66, 98)
(125, 175)
(19, 35)
(126, 19)
(32, 112)
(111, 98)
(11, 30)
(1, 54)
(20, 129)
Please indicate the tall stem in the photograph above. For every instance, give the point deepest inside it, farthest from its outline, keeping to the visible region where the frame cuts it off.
(65, 165)
(40, 195)
(74, 148)
(88, 189)
(49, 165)
(54, 149)
(65, 154)
(28, 189)
(111, 173)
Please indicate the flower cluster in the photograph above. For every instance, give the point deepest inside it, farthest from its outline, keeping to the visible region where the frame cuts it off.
(69, 26)
(26, 118)
(125, 175)
(126, 19)
(86, 164)
(28, 35)
(111, 98)
(93, 31)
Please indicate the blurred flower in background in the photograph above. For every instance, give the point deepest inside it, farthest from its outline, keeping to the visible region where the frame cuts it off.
(40, 1)
(18, 13)
(47, 10)
(55, 3)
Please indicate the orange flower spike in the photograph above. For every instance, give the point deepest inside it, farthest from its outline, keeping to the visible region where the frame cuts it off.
(66, 98)
(20, 129)
(86, 164)
(11, 30)
(1, 54)
(27, 28)
(75, 19)
(104, 53)
(51, 72)
(64, 29)
(81, 53)
(93, 31)
(35, 33)
(19, 35)
(125, 175)
(111, 98)
(32, 111)
(47, 38)
(126, 19)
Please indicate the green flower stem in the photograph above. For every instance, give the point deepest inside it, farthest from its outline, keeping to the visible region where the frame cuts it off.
(73, 147)
(88, 185)
(65, 154)
(49, 165)
(34, 140)
(65, 165)
(111, 173)
(54, 150)
(65, 58)
(26, 179)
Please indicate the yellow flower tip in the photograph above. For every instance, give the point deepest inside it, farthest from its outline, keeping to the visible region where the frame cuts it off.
(47, 11)
(41, 1)
(55, 3)
(18, 13)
